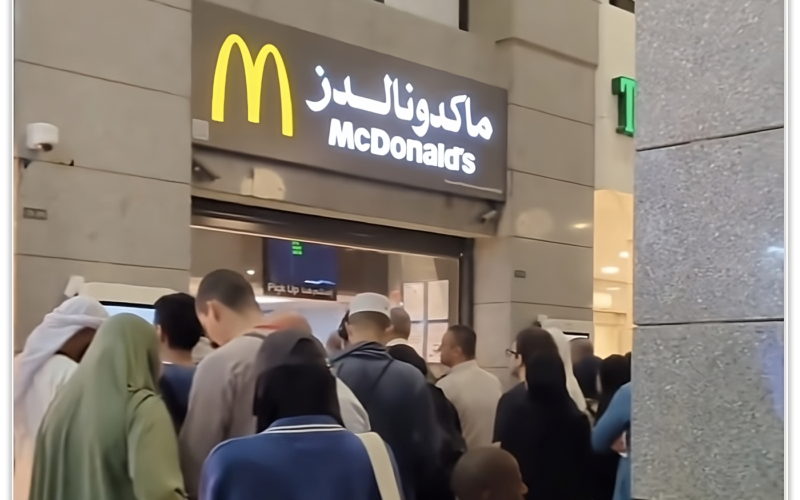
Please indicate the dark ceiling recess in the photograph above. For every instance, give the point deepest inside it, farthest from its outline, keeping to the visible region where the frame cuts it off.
(629, 5)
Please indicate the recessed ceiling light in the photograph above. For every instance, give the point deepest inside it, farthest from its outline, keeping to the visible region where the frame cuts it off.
(625, 255)
(613, 289)
(609, 270)
(251, 272)
(582, 225)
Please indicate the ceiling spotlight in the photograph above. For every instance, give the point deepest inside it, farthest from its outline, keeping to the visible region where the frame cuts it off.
(251, 272)
(609, 270)
(582, 225)
(625, 255)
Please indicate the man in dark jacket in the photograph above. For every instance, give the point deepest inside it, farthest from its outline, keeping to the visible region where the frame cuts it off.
(395, 394)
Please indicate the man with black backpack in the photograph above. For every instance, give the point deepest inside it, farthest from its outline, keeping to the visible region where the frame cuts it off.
(452, 443)
(395, 394)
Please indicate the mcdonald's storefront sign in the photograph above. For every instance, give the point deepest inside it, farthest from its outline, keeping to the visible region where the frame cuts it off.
(281, 93)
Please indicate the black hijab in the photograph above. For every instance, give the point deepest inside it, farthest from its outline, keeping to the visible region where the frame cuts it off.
(293, 379)
(615, 371)
(547, 384)
(547, 433)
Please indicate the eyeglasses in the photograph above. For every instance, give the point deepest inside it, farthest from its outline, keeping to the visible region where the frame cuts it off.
(511, 354)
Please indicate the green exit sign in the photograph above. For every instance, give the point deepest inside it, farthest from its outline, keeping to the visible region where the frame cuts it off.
(297, 248)
(625, 90)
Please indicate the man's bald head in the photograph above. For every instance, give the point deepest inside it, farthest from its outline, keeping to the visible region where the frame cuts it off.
(488, 473)
(401, 324)
(287, 320)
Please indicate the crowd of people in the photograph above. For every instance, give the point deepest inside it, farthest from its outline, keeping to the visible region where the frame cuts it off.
(114, 408)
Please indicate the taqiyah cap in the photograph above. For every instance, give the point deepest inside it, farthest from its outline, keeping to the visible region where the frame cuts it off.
(370, 302)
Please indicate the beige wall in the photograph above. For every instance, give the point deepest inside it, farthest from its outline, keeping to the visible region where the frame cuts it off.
(551, 49)
(614, 153)
(118, 187)
(441, 11)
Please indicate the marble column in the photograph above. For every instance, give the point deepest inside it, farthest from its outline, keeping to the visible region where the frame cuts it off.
(709, 251)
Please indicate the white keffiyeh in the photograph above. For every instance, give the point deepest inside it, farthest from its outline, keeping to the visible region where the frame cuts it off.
(46, 339)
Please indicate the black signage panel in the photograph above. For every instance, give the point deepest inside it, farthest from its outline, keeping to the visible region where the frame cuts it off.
(278, 92)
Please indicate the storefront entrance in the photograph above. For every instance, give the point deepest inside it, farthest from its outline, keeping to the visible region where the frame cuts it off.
(316, 265)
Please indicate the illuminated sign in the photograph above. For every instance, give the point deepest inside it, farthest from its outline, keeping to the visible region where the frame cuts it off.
(297, 248)
(345, 135)
(254, 76)
(625, 90)
(305, 99)
(300, 292)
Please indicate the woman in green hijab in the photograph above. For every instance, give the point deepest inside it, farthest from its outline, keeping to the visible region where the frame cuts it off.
(107, 435)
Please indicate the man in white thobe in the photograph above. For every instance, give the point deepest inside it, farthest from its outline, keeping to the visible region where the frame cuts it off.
(52, 352)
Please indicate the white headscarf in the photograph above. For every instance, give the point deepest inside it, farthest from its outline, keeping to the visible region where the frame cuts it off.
(566, 356)
(46, 339)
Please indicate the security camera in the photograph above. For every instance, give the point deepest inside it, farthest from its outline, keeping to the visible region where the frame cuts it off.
(201, 174)
(488, 216)
(41, 136)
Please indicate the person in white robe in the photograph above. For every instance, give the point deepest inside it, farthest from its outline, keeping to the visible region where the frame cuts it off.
(51, 354)
(565, 352)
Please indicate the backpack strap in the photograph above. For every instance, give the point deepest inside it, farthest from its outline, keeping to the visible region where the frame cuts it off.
(381, 465)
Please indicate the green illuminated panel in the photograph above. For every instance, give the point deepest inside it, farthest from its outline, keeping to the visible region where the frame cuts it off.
(625, 90)
(297, 248)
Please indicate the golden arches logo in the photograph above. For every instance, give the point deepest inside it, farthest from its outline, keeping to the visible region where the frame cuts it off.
(254, 76)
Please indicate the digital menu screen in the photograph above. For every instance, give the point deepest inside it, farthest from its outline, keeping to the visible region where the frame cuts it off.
(300, 269)
(146, 312)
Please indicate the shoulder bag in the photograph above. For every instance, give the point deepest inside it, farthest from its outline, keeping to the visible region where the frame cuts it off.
(381, 466)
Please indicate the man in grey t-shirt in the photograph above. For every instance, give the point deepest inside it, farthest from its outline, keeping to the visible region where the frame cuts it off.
(221, 399)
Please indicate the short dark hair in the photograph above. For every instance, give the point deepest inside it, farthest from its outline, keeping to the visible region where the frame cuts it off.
(466, 339)
(227, 287)
(176, 315)
(533, 340)
(369, 318)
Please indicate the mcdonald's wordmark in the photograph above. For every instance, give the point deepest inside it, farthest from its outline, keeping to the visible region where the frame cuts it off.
(281, 93)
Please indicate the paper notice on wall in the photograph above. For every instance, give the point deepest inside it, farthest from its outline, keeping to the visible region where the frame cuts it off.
(439, 300)
(436, 332)
(414, 300)
(417, 338)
